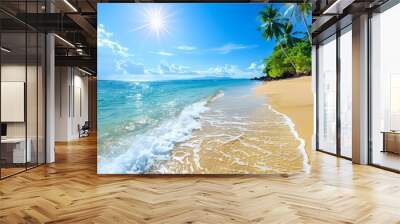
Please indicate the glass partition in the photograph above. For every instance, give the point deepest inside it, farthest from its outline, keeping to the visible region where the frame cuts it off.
(22, 78)
(41, 97)
(32, 95)
(385, 89)
(346, 92)
(327, 95)
(13, 109)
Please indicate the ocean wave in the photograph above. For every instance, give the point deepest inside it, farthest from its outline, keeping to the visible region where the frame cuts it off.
(216, 96)
(157, 143)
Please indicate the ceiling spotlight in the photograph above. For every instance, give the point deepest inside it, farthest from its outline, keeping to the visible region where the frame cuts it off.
(79, 51)
(5, 50)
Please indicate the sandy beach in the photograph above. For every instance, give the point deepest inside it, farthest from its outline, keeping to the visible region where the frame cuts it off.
(294, 98)
(235, 127)
(251, 139)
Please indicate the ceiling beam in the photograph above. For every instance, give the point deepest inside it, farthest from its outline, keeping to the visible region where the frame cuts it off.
(78, 61)
(86, 26)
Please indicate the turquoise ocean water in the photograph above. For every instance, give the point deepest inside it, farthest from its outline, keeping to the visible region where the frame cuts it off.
(140, 122)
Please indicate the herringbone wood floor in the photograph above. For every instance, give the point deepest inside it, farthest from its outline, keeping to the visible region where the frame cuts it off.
(70, 191)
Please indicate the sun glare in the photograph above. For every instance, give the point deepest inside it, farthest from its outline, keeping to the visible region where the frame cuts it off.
(155, 21)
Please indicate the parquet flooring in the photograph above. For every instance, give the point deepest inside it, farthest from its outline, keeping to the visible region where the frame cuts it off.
(70, 191)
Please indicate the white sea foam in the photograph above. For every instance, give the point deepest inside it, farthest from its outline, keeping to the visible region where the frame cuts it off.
(157, 143)
(301, 147)
(217, 96)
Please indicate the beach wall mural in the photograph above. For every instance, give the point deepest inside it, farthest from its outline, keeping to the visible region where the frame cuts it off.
(204, 88)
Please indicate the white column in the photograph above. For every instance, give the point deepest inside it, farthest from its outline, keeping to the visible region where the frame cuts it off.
(63, 98)
(50, 92)
(360, 90)
(50, 99)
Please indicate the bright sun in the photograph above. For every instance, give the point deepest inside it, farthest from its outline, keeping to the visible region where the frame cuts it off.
(155, 21)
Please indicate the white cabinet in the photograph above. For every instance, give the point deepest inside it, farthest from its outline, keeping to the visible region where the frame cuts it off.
(19, 155)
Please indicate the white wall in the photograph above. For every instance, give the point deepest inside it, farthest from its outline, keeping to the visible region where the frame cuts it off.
(70, 84)
(62, 82)
(12, 73)
(33, 127)
(80, 110)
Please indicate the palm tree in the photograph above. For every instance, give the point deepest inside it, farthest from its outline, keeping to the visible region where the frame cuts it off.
(300, 11)
(288, 37)
(272, 23)
(274, 27)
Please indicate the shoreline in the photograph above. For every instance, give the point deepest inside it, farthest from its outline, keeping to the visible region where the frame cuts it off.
(236, 134)
(258, 140)
(302, 146)
(293, 97)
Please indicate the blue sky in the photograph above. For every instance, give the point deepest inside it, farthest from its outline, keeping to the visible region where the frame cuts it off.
(145, 42)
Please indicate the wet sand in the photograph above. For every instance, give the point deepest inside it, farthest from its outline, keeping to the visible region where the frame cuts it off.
(242, 134)
(294, 98)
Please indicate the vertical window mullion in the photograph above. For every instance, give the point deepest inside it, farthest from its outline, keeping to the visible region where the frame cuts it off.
(317, 97)
(26, 86)
(369, 77)
(338, 80)
(37, 90)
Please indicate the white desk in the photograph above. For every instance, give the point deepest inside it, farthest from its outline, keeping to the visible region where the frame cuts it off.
(19, 153)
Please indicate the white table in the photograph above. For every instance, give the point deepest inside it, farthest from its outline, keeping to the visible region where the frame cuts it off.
(19, 153)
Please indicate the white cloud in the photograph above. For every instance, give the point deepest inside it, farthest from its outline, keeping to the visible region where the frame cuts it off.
(228, 48)
(164, 53)
(104, 39)
(125, 66)
(261, 66)
(186, 48)
(253, 65)
(168, 71)
(122, 61)
(165, 68)
(227, 70)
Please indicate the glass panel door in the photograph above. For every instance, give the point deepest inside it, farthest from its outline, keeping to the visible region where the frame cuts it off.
(31, 99)
(385, 89)
(327, 95)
